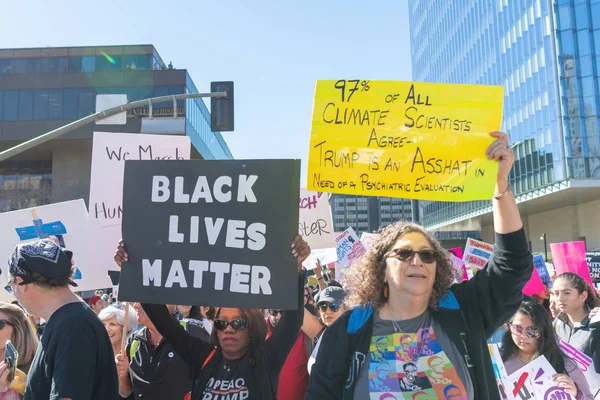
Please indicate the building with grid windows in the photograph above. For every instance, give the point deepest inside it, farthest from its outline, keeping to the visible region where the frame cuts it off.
(45, 88)
(367, 214)
(546, 55)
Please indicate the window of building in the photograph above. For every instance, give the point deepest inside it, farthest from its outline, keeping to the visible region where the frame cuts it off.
(75, 64)
(581, 17)
(86, 102)
(40, 105)
(34, 65)
(55, 104)
(71, 104)
(20, 65)
(11, 101)
(6, 65)
(25, 105)
(88, 64)
(55, 64)
(143, 61)
(583, 42)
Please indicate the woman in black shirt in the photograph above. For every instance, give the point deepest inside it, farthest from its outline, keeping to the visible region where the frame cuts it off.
(238, 359)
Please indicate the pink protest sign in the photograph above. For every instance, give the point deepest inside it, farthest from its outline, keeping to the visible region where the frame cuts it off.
(570, 257)
(535, 285)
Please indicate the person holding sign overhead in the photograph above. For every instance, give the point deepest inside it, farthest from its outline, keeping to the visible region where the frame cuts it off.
(409, 316)
(238, 361)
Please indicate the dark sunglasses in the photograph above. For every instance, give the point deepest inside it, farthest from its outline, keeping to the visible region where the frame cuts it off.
(531, 331)
(427, 256)
(3, 323)
(237, 324)
(334, 307)
(275, 312)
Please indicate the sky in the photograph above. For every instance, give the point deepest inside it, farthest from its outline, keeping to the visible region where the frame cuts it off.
(274, 51)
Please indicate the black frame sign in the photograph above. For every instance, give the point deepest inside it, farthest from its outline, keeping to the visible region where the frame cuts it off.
(211, 232)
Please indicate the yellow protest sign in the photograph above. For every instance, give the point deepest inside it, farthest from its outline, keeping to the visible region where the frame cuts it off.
(413, 140)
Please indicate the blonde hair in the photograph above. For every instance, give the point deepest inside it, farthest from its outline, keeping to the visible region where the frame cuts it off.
(365, 278)
(24, 337)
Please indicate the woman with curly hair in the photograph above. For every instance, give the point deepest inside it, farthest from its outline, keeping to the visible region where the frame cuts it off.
(409, 316)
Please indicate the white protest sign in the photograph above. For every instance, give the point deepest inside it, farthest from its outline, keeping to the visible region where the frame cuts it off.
(315, 225)
(584, 362)
(500, 373)
(109, 152)
(63, 222)
(368, 239)
(324, 256)
(349, 249)
(534, 381)
(477, 253)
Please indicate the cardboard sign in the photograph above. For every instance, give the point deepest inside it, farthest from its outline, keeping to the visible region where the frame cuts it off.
(65, 223)
(349, 248)
(324, 256)
(399, 139)
(585, 363)
(571, 257)
(109, 152)
(316, 226)
(477, 253)
(593, 262)
(211, 232)
(368, 239)
(534, 381)
(540, 266)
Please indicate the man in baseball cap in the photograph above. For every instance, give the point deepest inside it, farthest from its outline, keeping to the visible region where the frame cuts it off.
(74, 357)
(97, 303)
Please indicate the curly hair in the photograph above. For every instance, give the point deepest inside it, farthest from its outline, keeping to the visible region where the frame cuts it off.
(365, 278)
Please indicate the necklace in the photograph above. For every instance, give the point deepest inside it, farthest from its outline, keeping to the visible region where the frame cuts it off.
(229, 365)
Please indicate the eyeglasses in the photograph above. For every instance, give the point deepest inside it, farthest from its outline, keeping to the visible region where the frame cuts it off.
(306, 295)
(334, 307)
(531, 332)
(427, 256)
(275, 312)
(237, 324)
(3, 323)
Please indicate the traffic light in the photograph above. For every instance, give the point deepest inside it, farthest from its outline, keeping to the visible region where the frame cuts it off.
(221, 109)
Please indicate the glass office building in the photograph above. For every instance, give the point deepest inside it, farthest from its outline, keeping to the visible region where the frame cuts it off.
(45, 88)
(546, 55)
(367, 214)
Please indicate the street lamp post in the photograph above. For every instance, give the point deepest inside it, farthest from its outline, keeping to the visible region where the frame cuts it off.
(6, 154)
(543, 237)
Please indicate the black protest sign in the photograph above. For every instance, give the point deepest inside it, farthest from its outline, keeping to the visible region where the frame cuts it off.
(593, 261)
(211, 232)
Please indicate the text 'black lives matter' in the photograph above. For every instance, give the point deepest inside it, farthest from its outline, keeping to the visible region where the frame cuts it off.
(211, 232)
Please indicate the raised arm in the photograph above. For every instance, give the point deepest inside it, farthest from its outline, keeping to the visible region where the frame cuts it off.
(311, 325)
(280, 343)
(191, 349)
(496, 291)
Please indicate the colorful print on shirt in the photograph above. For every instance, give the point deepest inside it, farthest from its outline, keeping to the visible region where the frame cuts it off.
(412, 366)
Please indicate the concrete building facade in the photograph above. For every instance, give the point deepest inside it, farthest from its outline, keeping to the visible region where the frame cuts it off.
(45, 88)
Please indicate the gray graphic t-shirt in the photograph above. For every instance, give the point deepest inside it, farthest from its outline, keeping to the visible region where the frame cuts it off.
(415, 360)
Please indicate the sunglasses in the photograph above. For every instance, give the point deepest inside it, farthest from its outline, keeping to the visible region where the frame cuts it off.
(531, 331)
(275, 312)
(334, 307)
(427, 256)
(237, 324)
(3, 323)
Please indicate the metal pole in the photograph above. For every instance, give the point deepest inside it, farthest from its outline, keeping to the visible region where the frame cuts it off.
(6, 154)
(545, 249)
